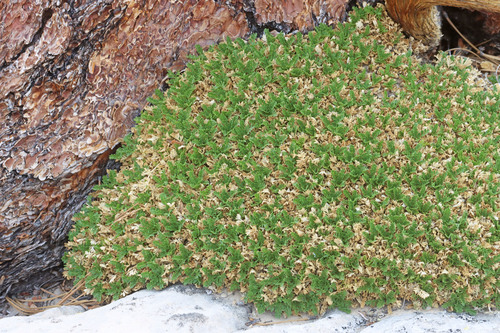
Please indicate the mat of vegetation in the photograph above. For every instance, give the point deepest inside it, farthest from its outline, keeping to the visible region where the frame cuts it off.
(310, 172)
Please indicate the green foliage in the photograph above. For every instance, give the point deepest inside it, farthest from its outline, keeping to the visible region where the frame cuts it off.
(310, 171)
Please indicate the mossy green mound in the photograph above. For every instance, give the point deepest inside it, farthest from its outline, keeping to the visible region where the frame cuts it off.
(309, 172)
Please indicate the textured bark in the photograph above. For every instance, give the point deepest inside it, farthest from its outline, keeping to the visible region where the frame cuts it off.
(421, 19)
(73, 75)
(492, 23)
(298, 14)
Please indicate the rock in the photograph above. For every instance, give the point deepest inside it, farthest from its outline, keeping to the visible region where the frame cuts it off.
(73, 75)
(435, 321)
(187, 309)
(178, 309)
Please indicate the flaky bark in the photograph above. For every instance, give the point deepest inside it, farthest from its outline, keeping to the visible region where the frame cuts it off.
(73, 75)
(421, 19)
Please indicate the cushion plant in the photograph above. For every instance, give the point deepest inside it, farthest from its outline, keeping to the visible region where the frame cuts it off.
(332, 169)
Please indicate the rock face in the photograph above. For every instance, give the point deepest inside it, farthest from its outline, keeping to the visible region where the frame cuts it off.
(73, 75)
(180, 309)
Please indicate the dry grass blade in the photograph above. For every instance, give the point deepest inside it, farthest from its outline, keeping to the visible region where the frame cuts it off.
(16, 304)
(495, 60)
(66, 299)
(483, 65)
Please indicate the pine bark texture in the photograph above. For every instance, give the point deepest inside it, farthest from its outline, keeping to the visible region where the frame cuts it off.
(73, 76)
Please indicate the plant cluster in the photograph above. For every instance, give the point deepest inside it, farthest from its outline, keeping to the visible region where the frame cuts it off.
(315, 171)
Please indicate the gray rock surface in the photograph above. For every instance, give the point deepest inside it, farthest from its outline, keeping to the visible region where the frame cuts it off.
(187, 309)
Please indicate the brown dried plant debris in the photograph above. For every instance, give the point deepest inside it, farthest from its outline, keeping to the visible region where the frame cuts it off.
(310, 172)
(48, 299)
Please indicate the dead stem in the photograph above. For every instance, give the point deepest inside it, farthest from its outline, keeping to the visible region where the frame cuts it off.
(66, 299)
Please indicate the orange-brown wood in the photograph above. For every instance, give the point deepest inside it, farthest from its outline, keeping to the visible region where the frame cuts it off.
(421, 19)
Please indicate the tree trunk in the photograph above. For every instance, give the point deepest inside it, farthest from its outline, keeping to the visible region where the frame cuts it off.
(73, 75)
(420, 18)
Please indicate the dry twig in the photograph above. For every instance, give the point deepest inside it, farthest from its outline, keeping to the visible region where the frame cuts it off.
(66, 299)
